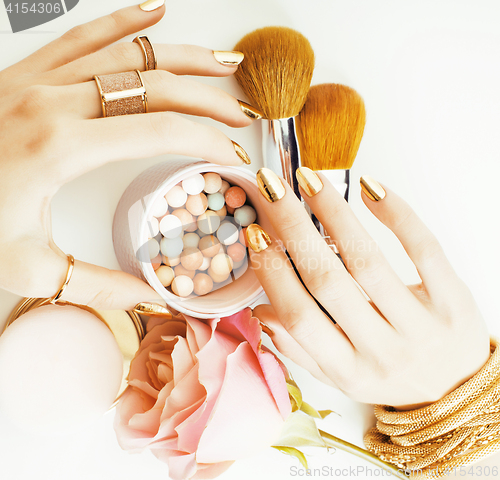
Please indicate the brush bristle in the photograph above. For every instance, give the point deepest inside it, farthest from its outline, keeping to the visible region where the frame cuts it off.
(277, 70)
(330, 127)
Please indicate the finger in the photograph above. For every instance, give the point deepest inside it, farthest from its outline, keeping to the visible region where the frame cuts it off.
(39, 271)
(358, 250)
(89, 37)
(287, 345)
(296, 310)
(100, 141)
(126, 56)
(320, 269)
(436, 272)
(166, 92)
(106, 289)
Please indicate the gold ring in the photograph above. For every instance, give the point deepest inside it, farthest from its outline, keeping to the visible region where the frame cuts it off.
(148, 51)
(71, 266)
(122, 93)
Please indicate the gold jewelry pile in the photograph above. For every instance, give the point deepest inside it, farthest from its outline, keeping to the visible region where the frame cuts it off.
(458, 430)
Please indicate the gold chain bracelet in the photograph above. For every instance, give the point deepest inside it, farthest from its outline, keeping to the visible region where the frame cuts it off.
(458, 430)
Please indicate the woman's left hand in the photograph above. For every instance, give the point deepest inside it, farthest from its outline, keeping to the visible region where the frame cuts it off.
(392, 344)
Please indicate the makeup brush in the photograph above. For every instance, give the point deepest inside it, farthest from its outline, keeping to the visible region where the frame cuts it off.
(329, 130)
(275, 76)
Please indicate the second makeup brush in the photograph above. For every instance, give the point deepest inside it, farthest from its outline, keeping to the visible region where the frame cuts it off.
(329, 129)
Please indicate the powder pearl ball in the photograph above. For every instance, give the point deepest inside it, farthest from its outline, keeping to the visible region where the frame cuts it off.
(165, 275)
(191, 240)
(209, 246)
(153, 227)
(243, 237)
(245, 215)
(197, 204)
(235, 197)
(171, 261)
(213, 182)
(153, 248)
(191, 258)
(228, 233)
(209, 222)
(156, 262)
(224, 187)
(60, 370)
(182, 286)
(187, 220)
(172, 247)
(171, 226)
(222, 264)
(180, 270)
(222, 212)
(237, 252)
(215, 201)
(159, 207)
(203, 284)
(230, 210)
(176, 197)
(206, 263)
(216, 277)
(194, 184)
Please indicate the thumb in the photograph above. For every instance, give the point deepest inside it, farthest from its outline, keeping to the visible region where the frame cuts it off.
(105, 289)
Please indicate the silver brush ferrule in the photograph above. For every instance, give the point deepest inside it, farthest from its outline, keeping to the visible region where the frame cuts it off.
(280, 149)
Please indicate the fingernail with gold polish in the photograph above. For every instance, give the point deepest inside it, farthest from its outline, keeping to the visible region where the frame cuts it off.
(228, 58)
(270, 185)
(309, 181)
(150, 5)
(258, 239)
(249, 111)
(372, 189)
(241, 153)
(152, 310)
(266, 329)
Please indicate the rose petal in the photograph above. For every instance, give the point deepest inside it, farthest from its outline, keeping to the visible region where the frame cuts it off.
(242, 324)
(130, 438)
(185, 393)
(245, 412)
(182, 360)
(212, 365)
(212, 470)
(167, 426)
(201, 331)
(181, 466)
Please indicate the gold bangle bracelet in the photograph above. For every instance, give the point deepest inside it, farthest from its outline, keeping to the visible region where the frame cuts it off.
(69, 273)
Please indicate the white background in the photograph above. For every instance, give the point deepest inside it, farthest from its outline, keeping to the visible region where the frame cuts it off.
(429, 73)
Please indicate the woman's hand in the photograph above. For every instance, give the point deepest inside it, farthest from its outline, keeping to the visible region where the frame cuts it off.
(392, 344)
(50, 134)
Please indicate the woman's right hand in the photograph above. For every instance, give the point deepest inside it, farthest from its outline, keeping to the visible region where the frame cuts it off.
(51, 133)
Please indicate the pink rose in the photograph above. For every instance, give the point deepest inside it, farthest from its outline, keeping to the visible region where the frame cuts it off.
(203, 395)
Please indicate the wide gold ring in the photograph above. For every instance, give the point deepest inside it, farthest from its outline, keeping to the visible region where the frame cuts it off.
(148, 51)
(69, 273)
(122, 93)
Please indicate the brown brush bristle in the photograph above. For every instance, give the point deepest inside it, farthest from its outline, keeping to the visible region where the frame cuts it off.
(277, 70)
(330, 127)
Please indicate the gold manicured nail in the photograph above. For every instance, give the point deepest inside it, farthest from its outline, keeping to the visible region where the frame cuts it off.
(270, 185)
(258, 239)
(250, 111)
(372, 189)
(152, 310)
(266, 328)
(241, 153)
(228, 58)
(309, 181)
(150, 5)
